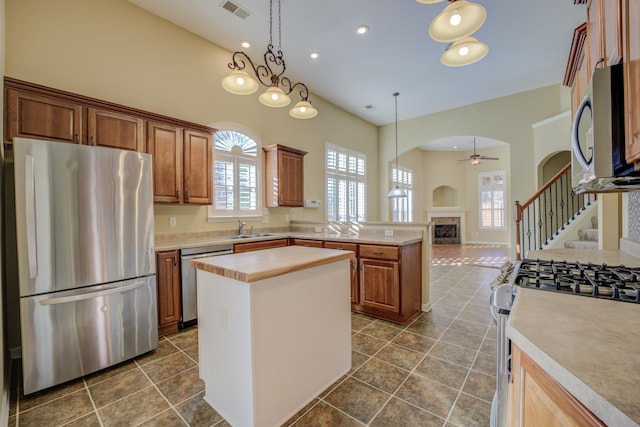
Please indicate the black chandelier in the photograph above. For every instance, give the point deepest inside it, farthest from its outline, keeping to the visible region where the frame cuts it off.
(269, 74)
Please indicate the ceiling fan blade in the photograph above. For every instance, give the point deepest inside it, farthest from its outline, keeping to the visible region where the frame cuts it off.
(462, 161)
(489, 158)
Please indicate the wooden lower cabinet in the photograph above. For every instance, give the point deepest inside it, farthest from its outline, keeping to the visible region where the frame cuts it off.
(390, 282)
(307, 242)
(256, 246)
(168, 282)
(536, 399)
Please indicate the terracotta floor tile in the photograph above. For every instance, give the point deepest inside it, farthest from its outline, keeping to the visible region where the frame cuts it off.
(326, 415)
(400, 413)
(357, 399)
(197, 412)
(59, 411)
(427, 394)
(135, 409)
(115, 388)
(182, 386)
(381, 375)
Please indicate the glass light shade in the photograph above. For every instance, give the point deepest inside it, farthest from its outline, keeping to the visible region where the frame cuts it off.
(240, 83)
(475, 160)
(429, 1)
(397, 192)
(472, 16)
(303, 110)
(464, 52)
(274, 97)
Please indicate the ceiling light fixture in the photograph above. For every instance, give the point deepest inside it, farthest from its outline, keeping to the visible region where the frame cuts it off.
(429, 1)
(464, 52)
(269, 74)
(245, 44)
(397, 191)
(362, 29)
(314, 55)
(459, 19)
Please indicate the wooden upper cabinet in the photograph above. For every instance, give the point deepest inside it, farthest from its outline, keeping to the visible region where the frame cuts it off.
(31, 115)
(631, 61)
(164, 143)
(285, 176)
(612, 31)
(198, 167)
(116, 130)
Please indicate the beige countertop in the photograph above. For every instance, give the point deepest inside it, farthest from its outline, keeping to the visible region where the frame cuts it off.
(169, 242)
(259, 265)
(596, 256)
(591, 346)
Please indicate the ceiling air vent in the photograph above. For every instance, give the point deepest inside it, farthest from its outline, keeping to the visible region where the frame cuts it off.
(236, 9)
(369, 107)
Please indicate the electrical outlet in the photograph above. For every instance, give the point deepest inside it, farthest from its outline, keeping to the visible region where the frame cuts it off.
(388, 233)
(172, 221)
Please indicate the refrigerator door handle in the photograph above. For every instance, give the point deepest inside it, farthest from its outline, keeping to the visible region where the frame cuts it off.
(89, 295)
(30, 200)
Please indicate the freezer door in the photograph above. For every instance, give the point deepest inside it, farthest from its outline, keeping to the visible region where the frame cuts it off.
(84, 215)
(66, 335)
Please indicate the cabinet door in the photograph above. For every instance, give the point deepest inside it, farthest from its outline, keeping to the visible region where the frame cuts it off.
(535, 398)
(110, 129)
(41, 117)
(164, 143)
(380, 285)
(198, 167)
(612, 31)
(291, 183)
(631, 58)
(168, 278)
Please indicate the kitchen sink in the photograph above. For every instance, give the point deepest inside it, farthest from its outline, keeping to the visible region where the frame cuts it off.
(250, 236)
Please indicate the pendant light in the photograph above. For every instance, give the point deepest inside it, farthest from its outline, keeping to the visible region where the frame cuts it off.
(464, 52)
(269, 74)
(397, 191)
(459, 19)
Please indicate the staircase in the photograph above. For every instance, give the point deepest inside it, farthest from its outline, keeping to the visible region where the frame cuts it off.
(588, 237)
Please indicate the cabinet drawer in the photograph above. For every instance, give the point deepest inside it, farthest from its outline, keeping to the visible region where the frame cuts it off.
(255, 246)
(353, 247)
(379, 252)
(306, 242)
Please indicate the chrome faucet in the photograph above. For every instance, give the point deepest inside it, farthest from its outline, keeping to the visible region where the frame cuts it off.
(241, 226)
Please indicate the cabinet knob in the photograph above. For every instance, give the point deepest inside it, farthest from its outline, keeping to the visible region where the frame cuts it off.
(187, 195)
(93, 140)
(177, 194)
(77, 139)
(175, 260)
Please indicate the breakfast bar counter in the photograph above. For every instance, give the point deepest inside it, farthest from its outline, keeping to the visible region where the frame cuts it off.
(274, 330)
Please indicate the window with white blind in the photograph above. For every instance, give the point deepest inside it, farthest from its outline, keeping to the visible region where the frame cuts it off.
(346, 180)
(236, 168)
(492, 189)
(402, 207)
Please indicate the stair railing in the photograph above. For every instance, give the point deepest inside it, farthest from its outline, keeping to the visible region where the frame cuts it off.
(547, 212)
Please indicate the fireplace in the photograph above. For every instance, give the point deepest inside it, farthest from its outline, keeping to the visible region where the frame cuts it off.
(445, 230)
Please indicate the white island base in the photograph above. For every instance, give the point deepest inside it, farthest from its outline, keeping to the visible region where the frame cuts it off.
(269, 347)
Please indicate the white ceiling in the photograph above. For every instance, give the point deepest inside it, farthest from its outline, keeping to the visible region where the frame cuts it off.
(529, 44)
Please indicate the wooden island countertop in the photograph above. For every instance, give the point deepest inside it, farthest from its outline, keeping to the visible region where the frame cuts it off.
(254, 266)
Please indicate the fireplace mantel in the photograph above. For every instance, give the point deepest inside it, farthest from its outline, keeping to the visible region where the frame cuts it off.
(445, 213)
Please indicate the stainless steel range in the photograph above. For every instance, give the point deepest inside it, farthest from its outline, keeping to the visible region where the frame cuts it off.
(618, 282)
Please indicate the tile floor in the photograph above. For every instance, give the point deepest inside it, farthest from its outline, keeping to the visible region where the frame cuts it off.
(437, 370)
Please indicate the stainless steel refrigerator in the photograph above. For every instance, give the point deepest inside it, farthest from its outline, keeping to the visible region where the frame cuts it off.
(86, 263)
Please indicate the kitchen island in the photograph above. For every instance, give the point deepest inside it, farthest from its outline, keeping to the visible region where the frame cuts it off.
(274, 330)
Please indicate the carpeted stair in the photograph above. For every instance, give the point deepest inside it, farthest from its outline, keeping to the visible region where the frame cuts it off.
(588, 237)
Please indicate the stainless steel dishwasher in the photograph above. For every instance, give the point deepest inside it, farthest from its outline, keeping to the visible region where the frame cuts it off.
(189, 286)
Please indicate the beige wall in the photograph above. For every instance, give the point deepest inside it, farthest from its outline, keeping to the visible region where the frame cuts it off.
(115, 51)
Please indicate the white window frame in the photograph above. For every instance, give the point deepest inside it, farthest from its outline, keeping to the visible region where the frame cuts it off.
(402, 207)
(235, 157)
(350, 170)
(493, 187)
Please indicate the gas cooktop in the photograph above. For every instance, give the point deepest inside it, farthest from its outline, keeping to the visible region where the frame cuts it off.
(617, 282)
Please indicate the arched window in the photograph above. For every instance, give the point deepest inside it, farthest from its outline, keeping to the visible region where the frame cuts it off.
(236, 175)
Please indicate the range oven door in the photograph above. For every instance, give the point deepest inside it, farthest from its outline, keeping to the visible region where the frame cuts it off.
(500, 303)
(68, 334)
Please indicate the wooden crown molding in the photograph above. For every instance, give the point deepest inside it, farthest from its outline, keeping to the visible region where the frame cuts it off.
(577, 50)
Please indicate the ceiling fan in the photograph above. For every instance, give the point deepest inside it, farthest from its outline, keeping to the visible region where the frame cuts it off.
(475, 158)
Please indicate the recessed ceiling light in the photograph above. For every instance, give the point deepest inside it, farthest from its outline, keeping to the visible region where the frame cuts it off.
(245, 44)
(314, 55)
(362, 29)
